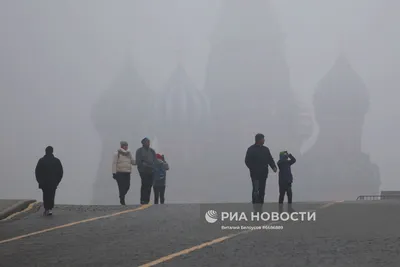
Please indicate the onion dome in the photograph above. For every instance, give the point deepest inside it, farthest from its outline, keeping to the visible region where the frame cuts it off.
(341, 93)
(181, 104)
(246, 70)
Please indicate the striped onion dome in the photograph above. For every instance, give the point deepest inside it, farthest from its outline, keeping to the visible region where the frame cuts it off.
(181, 104)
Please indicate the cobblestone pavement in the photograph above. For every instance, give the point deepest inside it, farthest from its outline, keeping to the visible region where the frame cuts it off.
(344, 234)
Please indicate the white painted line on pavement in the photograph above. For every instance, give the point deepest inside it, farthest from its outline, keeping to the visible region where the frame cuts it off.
(189, 250)
(330, 204)
(74, 223)
(212, 242)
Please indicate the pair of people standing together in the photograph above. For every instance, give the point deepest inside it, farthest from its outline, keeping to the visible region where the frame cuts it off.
(258, 159)
(152, 169)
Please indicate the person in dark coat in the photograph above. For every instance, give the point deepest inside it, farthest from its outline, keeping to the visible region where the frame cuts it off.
(145, 160)
(286, 160)
(160, 175)
(49, 172)
(258, 158)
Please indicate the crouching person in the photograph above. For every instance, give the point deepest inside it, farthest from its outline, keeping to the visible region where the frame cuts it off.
(121, 169)
(160, 173)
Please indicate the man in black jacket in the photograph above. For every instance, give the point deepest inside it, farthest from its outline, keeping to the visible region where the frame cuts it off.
(145, 161)
(49, 172)
(258, 158)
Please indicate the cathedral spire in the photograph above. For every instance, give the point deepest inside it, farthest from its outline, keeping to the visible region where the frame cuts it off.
(127, 95)
(342, 48)
(247, 60)
(122, 112)
(246, 20)
(342, 45)
(180, 50)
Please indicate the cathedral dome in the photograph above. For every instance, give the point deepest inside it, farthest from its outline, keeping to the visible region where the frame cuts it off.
(341, 93)
(181, 104)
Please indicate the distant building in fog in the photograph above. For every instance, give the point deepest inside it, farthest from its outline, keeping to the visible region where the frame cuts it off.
(123, 112)
(335, 167)
(248, 83)
(205, 134)
(182, 114)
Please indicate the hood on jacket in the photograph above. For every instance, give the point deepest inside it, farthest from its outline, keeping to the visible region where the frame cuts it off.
(123, 151)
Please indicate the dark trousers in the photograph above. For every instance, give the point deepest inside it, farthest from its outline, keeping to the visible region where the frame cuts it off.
(159, 193)
(285, 188)
(124, 183)
(49, 194)
(258, 191)
(145, 189)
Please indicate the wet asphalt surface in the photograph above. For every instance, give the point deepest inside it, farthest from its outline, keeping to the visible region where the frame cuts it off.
(344, 234)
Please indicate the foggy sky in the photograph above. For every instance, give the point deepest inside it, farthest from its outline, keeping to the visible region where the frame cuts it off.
(57, 57)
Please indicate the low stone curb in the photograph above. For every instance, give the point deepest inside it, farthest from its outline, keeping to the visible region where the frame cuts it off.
(17, 207)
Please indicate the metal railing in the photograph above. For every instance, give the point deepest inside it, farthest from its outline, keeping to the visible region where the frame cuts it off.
(378, 197)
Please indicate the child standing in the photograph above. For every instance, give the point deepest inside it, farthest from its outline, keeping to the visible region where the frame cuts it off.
(160, 174)
(285, 162)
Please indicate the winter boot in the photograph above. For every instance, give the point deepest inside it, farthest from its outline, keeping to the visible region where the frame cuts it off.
(122, 201)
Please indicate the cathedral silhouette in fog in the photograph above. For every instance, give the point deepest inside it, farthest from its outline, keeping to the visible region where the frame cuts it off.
(176, 118)
(248, 85)
(204, 134)
(123, 112)
(335, 167)
(182, 114)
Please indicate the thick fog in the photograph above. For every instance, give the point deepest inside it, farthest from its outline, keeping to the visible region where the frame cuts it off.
(200, 79)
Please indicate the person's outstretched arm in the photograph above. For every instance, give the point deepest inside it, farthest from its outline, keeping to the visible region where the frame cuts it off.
(271, 161)
(292, 159)
(138, 157)
(133, 161)
(154, 157)
(166, 166)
